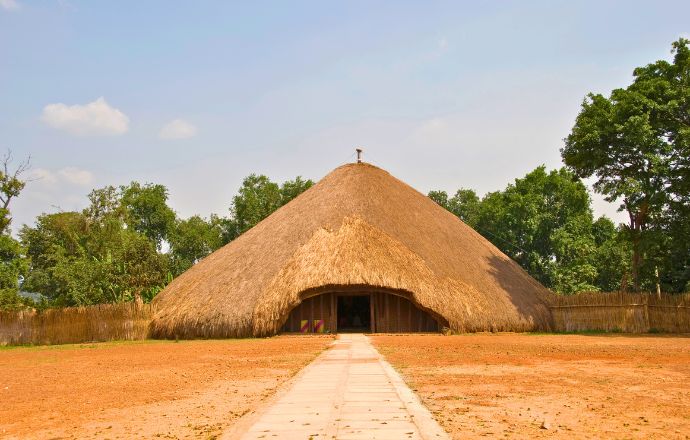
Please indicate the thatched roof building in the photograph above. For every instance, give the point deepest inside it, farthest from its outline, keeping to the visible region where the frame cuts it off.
(358, 250)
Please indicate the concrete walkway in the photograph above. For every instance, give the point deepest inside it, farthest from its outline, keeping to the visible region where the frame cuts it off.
(348, 392)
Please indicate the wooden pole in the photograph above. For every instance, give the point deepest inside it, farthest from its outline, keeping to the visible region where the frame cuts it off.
(372, 319)
(658, 284)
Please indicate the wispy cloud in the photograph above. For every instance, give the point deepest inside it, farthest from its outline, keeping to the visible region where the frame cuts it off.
(96, 118)
(42, 175)
(9, 5)
(52, 190)
(76, 176)
(70, 175)
(177, 129)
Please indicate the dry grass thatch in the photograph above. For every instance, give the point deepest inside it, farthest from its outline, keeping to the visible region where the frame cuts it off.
(103, 322)
(358, 226)
(625, 312)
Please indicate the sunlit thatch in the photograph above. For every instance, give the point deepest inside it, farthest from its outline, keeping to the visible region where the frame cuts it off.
(357, 226)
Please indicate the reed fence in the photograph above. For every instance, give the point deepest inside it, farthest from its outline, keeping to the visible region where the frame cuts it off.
(98, 323)
(623, 312)
(617, 311)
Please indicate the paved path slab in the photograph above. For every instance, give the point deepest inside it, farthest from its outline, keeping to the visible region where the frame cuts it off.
(348, 392)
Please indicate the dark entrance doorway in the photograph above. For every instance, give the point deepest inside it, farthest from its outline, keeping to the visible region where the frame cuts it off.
(354, 313)
(360, 311)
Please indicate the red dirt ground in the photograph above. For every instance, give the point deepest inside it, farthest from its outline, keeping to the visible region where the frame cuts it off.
(549, 386)
(151, 389)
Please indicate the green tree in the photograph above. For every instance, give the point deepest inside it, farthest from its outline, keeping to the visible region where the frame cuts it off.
(76, 261)
(441, 198)
(147, 211)
(13, 264)
(107, 253)
(55, 239)
(142, 269)
(257, 198)
(191, 240)
(635, 142)
(465, 204)
(668, 253)
(292, 188)
(105, 203)
(573, 267)
(11, 185)
(613, 255)
(543, 221)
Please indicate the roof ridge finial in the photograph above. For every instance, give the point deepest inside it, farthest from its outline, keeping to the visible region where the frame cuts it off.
(359, 151)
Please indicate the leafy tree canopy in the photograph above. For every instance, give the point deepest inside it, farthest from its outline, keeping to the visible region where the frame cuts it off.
(11, 184)
(13, 264)
(464, 204)
(257, 198)
(636, 143)
(193, 239)
(113, 250)
(544, 222)
(107, 253)
(147, 211)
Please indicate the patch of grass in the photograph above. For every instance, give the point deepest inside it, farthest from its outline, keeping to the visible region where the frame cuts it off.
(614, 332)
(109, 344)
(452, 333)
(91, 345)
(578, 332)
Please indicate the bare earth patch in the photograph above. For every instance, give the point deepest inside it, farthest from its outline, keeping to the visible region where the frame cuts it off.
(549, 386)
(151, 389)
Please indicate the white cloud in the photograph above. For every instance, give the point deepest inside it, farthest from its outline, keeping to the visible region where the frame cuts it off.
(96, 118)
(76, 176)
(432, 126)
(9, 5)
(51, 190)
(177, 129)
(72, 175)
(42, 175)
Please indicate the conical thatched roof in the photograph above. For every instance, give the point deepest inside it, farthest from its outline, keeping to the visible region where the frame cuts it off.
(358, 226)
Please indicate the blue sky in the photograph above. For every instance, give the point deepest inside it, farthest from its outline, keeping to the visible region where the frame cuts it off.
(197, 95)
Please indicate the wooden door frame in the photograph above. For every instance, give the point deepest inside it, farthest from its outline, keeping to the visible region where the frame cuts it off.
(362, 290)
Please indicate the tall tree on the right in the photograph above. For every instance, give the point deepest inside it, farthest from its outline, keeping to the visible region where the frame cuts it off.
(636, 143)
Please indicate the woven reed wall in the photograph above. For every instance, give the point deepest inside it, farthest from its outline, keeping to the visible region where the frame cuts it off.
(103, 322)
(624, 312)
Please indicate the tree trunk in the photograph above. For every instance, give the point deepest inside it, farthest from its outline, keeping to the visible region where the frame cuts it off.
(636, 264)
(658, 282)
(638, 221)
